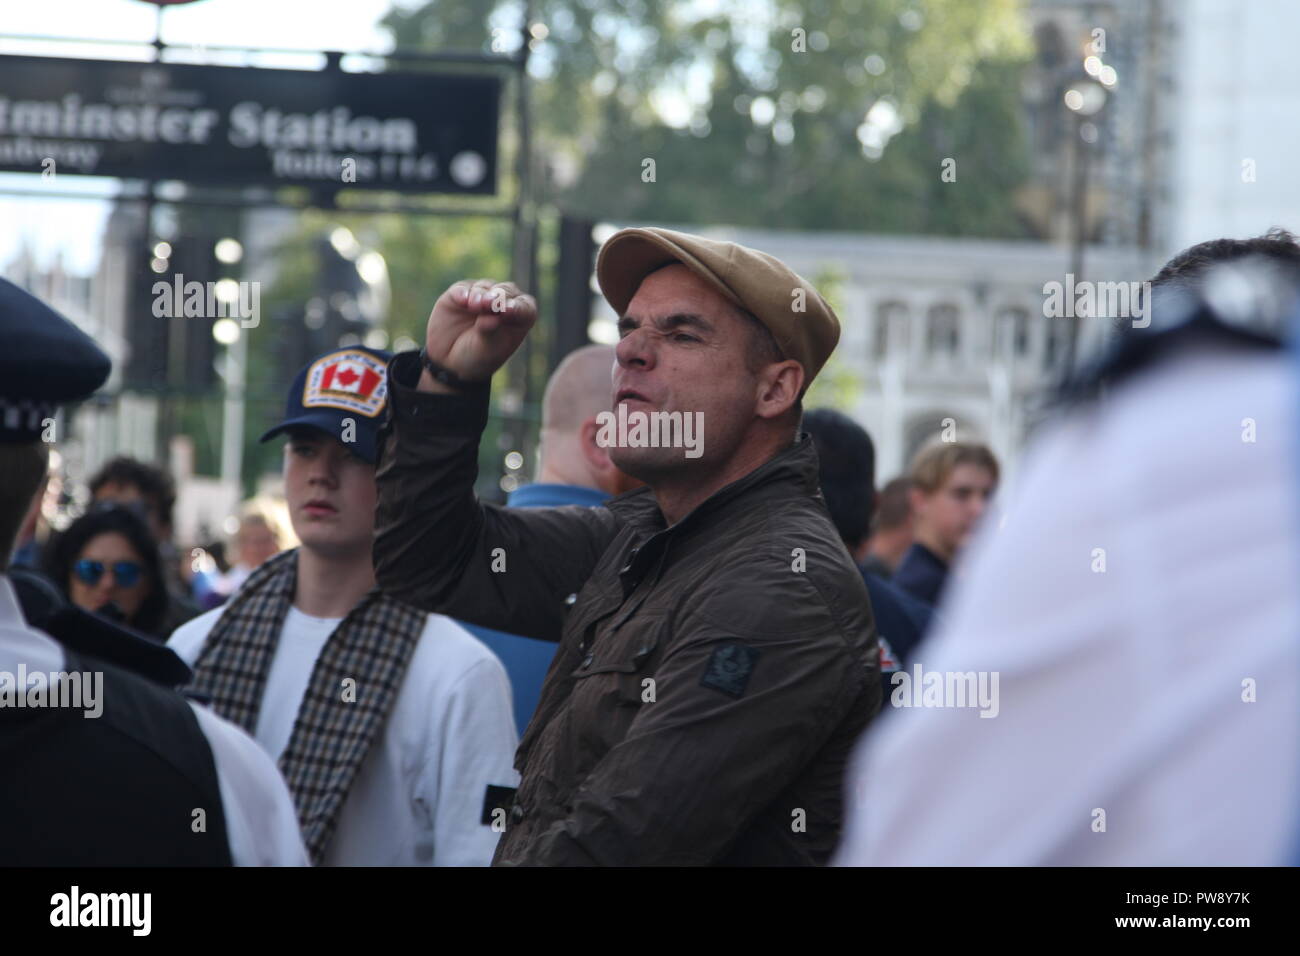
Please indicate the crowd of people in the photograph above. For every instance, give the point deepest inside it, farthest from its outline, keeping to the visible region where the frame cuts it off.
(648, 657)
(119, 558)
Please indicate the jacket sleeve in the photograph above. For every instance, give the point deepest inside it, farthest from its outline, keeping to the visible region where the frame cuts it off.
(699, 765)
(475, 752)
(439, 548)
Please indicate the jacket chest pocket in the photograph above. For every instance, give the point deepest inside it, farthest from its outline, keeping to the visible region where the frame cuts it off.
(615, 675)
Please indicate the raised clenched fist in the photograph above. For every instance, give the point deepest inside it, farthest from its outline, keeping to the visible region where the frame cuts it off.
(475, 326)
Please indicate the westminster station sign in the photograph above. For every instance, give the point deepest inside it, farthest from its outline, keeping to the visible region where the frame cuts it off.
(245, 126)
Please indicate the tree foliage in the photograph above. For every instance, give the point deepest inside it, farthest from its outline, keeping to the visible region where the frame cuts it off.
(803, 114)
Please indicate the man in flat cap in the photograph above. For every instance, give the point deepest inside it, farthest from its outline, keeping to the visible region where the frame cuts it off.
(103, 766)
(717, 656)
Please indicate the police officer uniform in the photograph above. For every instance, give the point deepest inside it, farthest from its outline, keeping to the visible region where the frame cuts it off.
(121, 770)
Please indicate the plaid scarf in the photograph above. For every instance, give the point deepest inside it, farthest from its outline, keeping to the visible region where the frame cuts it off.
(337, 722)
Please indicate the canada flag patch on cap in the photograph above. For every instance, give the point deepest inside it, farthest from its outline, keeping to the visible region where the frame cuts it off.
(351, 380)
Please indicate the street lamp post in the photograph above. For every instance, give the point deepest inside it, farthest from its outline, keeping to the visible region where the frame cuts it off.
(229, 334)
(1084, 100)
(234, 375)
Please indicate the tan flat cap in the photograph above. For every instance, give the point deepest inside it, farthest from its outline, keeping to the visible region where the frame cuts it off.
(801, 321)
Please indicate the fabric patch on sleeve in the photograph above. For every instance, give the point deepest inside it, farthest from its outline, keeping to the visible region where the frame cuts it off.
(496, 798)
(729, 668)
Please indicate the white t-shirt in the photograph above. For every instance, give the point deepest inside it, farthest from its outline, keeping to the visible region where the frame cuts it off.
(301, 641)
(1162, 690)
(261, 825)
(418, 798)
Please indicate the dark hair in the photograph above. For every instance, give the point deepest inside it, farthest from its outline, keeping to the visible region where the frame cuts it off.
(154, 483)
(893, 504)
(66, 548)
(762, 349)
(846, 470)
(1277, 245)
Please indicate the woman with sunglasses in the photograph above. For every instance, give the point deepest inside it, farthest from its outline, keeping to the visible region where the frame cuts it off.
(107, 563)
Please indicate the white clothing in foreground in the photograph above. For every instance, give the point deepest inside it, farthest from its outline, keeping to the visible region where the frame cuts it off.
(1120, 690)
(261, 825)
(418, 798)
(260, 819)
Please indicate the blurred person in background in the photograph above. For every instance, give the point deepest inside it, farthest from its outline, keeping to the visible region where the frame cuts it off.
(1155, 535)
(263, 532)
(207, 567)
(891, 528)
(846, 470)
(573, 469)
(152, 493)
(205, 574)
(952, 483)
(108, 563)
(217, 551)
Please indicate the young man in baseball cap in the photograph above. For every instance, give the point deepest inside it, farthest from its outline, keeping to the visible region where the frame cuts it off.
(392, 727)
(719, 658)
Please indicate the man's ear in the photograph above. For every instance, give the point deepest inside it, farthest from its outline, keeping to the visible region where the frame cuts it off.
(780, 386)
(917, 499)
(596, 457)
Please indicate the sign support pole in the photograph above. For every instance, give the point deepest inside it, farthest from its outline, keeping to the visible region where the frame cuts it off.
(524, 257)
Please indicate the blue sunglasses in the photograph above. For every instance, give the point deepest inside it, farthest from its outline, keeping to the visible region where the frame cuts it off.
(125, 573)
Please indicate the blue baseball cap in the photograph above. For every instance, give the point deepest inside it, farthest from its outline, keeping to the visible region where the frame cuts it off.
(342, 393)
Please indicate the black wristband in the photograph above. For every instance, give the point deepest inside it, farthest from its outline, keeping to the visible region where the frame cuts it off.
(450, 378)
